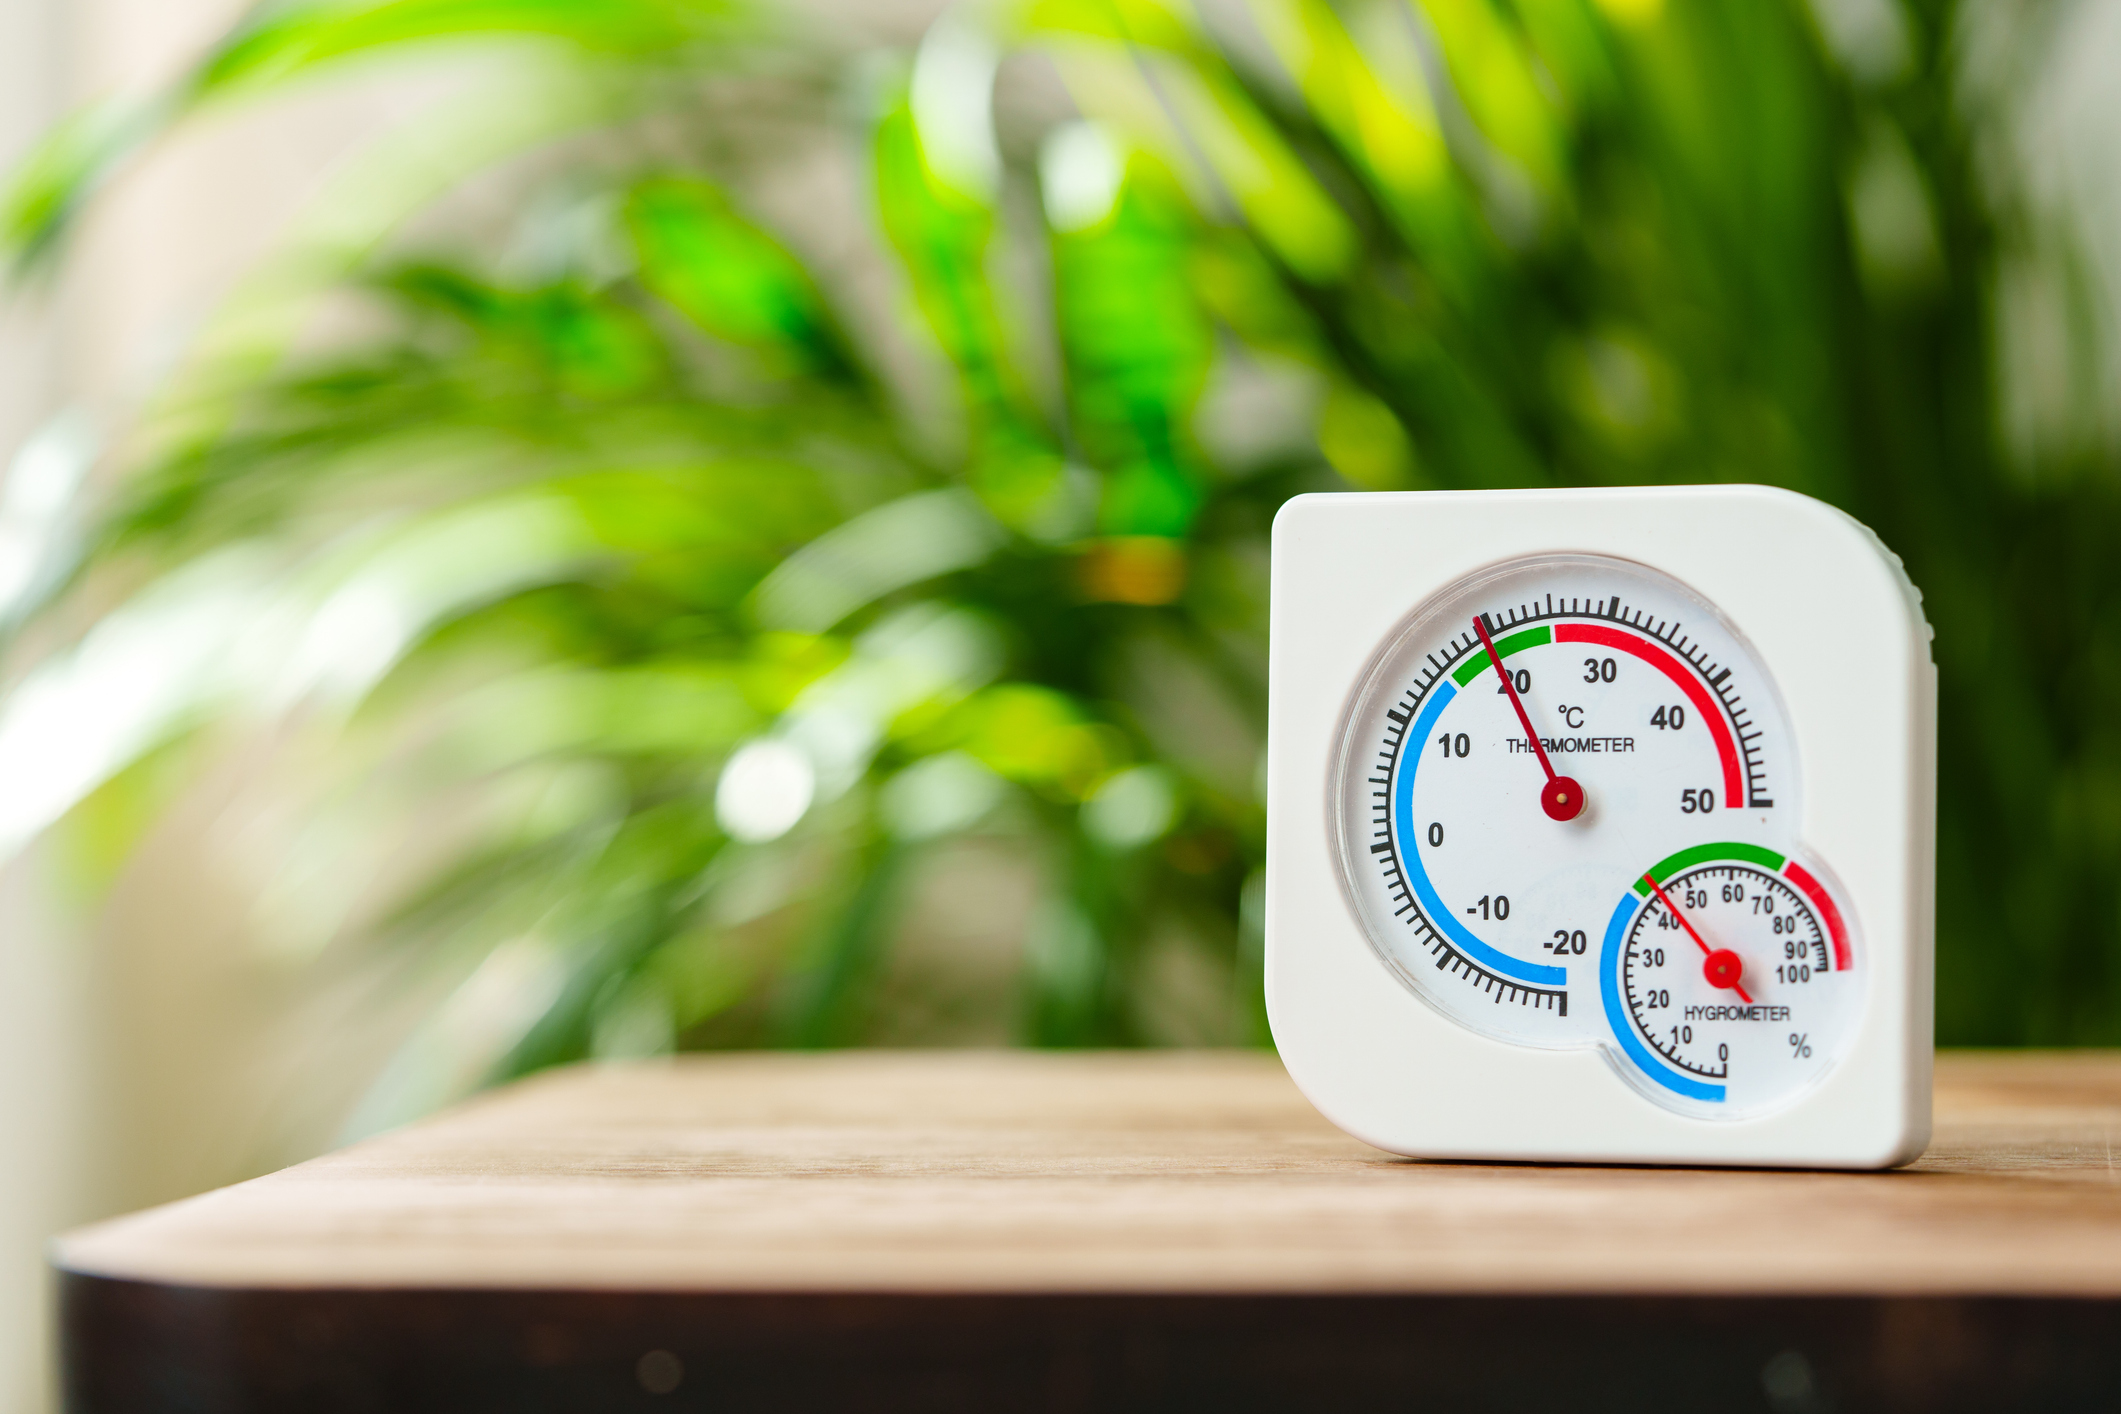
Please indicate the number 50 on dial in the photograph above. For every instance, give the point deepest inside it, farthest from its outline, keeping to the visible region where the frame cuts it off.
(1600, 826)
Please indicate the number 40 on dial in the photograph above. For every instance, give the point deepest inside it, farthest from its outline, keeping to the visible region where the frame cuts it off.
(1600, 826)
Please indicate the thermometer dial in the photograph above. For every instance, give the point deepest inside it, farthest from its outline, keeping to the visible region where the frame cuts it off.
(1522, 743)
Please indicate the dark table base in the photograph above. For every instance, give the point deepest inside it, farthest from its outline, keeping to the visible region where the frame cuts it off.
(164, 1349)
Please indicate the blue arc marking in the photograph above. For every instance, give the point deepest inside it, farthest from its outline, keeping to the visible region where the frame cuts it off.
(1623, 1025)
(1410, 852)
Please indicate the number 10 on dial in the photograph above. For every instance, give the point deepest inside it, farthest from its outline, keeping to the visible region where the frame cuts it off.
(1625, 842)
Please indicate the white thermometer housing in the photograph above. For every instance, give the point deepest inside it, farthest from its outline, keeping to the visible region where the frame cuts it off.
(1600, 826)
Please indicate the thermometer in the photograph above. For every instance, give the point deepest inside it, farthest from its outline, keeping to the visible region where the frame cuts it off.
(1624, 846)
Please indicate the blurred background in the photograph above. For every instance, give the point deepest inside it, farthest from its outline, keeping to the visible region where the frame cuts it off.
(544, 529)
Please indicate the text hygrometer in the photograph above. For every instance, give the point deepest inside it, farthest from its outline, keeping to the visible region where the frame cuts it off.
(1600, 826)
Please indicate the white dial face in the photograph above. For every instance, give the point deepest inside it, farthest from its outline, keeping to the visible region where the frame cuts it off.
(1511, 843)
(1734, 1043)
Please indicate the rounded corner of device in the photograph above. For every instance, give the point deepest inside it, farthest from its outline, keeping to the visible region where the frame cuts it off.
(1349, 1114)
(1288, 1034)
(1914, 1126)
(1825, 516)
(1898, 1143)
(1301, 507)
(1912, 1143)
(1857, 535)
(1824, 513)
(1310, 1067)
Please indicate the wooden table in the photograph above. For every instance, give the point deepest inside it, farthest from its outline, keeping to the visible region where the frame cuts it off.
(1149, 1231)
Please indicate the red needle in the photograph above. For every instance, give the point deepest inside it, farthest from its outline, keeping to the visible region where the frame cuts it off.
(1562, 798)
(1722, 967)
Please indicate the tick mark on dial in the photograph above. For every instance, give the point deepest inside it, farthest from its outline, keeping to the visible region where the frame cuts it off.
(1720, 966)
(1562, 797)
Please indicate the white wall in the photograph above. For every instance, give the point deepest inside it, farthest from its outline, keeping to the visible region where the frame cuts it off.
(42, 1105)
(128, 1040)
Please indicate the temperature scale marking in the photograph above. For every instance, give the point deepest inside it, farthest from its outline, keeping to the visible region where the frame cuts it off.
(1456, 950)
(1688, 683)
(1707, 687)
(1490, 959)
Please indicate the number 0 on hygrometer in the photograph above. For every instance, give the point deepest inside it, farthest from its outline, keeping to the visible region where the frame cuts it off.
(1600, 826)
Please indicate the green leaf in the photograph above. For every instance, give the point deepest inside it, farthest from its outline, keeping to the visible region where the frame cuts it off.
(728, 276)
(279, 41)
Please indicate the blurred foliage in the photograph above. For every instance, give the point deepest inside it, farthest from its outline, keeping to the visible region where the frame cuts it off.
(749, 561)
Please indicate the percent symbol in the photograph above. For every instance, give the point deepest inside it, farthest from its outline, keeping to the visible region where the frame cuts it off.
(1801, 1044)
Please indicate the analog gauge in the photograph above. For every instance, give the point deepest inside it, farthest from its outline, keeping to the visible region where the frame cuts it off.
(1728, 977)
(1523, 741)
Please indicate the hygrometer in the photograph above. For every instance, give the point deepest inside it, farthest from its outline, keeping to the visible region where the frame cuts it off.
(1600, 826)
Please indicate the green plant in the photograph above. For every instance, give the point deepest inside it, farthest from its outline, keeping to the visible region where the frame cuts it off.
(738, 620)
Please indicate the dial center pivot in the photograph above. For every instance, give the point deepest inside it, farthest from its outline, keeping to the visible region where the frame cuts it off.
(1723, 968)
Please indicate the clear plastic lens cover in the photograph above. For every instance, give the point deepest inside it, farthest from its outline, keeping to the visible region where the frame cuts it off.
(1525, 889)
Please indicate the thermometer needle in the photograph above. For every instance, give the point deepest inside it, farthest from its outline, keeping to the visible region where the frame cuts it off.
(1562, 798)
(1722, 967)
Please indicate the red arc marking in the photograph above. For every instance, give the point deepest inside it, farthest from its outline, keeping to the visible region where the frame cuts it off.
(1824, 902)
(1684, 678)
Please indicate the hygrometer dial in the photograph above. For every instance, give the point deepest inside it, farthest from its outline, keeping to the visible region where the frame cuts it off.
(1517, 748)
(1728, 977)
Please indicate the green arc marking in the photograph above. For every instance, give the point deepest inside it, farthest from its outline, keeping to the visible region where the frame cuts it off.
(1479, 663)
(1687, 858)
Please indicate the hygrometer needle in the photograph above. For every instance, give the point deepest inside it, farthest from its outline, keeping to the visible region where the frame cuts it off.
(1721, 966)
(1562, 798)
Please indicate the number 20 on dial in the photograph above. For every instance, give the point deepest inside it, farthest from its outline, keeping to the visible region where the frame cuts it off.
(1600, 826)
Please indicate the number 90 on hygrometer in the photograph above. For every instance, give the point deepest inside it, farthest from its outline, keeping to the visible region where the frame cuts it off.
(1600, 826)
